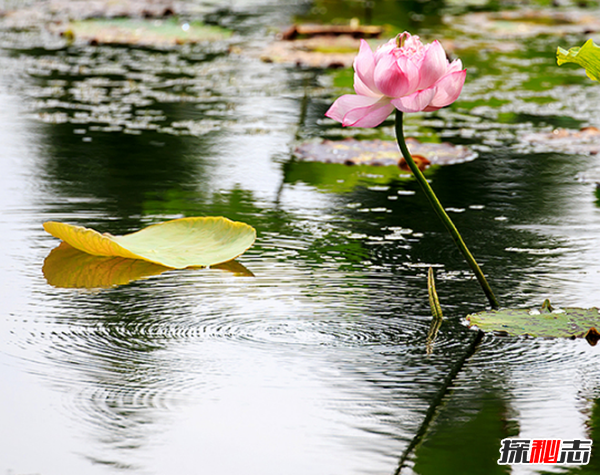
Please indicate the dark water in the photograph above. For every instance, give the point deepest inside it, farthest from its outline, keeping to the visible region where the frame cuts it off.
(316, 364)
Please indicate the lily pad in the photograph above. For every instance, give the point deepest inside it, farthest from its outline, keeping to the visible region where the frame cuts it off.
(49, 13)
(382, 153)
(141, 32)
(320, 46)
(526, 23)
(585, 141)
(180, 243)
(100, 8)
(545, 322)
(317, 52)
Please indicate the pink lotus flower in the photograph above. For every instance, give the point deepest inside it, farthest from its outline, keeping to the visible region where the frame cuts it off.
(403, 74)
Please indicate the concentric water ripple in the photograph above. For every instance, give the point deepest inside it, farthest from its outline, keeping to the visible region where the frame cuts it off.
(124, 356)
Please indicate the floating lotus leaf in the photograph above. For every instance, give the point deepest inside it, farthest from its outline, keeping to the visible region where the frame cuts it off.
(580, 142)
(79, 9)
(52, 13)
(355, 30)
(382, 153)
(525, 23)
(321, 52)
(546, 322)
(587, 56)
(140, 32)
(457, 47)
(320, 46)
(178, 243)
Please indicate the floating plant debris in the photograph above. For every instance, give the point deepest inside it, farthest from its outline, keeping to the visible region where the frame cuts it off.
(382, 153)
(179, 243)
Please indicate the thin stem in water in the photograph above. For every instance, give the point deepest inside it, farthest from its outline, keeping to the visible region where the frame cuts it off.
(439, 209)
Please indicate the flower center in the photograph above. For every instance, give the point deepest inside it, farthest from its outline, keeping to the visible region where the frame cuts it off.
(410, 46)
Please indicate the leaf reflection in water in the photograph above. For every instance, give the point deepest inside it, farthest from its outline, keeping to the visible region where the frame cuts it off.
(67, 267)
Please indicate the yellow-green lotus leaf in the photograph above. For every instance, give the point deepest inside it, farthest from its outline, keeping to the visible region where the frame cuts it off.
(180, 243)
(587, 56)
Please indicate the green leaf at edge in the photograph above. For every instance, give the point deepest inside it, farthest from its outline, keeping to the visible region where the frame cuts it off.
(587, 56)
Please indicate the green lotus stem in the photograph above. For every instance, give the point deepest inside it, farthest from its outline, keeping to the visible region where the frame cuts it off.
(435, 203)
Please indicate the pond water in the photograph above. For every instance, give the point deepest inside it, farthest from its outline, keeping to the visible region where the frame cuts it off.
(312, 359)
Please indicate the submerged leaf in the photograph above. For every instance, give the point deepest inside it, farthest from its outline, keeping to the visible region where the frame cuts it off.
(546, 322)
(179, 243)
(587, 56)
